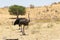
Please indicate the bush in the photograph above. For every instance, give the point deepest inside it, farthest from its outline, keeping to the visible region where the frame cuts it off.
(31, 6)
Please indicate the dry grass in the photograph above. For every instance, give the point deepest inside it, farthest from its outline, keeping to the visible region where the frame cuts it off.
(38, 29)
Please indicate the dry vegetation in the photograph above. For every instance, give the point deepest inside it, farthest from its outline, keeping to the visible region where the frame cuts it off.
(44, 25)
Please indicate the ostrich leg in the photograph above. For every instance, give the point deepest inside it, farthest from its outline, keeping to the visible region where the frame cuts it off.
(20, 27)
(23, 32)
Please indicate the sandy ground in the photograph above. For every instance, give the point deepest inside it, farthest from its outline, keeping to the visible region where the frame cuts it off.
(36, 30)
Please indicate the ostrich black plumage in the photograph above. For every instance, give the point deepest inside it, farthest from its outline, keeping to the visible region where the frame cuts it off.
(22, 21)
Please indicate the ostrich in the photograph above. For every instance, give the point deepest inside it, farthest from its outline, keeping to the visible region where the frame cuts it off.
(22, 21)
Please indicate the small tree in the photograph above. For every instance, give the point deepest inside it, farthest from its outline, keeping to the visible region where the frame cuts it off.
(17, 10)
(31, 6)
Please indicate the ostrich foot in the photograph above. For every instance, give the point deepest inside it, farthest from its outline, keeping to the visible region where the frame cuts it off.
(24, 34)
(21, 31)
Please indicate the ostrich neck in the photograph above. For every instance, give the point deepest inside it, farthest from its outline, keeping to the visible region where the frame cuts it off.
(28, 17)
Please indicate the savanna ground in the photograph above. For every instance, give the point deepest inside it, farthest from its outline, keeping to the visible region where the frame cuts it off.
(38, 30)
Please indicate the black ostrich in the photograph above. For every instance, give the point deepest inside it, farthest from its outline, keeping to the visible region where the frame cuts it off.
(22, 21)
